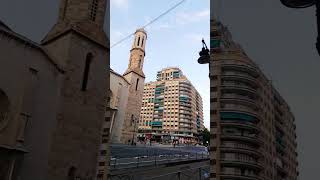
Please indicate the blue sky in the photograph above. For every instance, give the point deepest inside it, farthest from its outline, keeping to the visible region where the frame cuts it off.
(173, 40)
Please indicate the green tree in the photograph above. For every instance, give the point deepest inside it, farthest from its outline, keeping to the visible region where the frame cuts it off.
(205, 136)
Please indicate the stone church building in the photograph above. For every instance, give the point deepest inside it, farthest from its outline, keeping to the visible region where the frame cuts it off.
(53, 96)
(126, 93)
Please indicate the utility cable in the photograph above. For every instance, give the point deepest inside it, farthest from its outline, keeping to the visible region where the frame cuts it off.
(151, 22)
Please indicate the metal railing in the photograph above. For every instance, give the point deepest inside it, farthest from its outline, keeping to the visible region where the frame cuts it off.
(143, 161)
(195, 173)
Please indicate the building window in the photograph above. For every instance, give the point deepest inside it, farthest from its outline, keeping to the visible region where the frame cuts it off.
(142, 41)
(94, 9)
(137, 83)
(4, 107)
(86, 72)
(138, 40)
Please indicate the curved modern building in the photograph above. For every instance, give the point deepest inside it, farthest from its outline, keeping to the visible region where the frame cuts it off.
(252, 128)
(172, 109)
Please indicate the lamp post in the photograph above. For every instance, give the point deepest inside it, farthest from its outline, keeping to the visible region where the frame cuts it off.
(305, 4)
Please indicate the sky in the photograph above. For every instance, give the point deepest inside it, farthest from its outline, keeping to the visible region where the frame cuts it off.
(282, 41)
(173, 41)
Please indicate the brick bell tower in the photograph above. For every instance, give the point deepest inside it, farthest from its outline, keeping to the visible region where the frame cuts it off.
(79, 44)
(134, 74)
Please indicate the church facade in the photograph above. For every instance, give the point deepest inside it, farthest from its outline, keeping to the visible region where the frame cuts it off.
(53, 96)
(126, 93)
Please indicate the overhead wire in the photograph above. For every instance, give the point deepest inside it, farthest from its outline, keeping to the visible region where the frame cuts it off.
(150, 22)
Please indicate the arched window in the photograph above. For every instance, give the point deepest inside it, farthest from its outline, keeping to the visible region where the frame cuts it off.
(4, 107)
(93, 10)
(137, 83)
(142, 41)
(138, 41)
(86, 72)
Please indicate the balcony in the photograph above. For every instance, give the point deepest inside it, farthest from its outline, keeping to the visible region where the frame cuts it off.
(243, 68)
(185, 121)
(185, 125)
(251, 139)
(237, 162)
(185, 90)
(185, 107)
(240, 124)
(239, 107)
(240, 88)
(238, 116)
(238, 99)
(240, 77)
(239, 177)
(185, 112)
(241, 149)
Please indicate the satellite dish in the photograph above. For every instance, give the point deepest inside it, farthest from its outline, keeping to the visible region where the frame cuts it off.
(298, 3)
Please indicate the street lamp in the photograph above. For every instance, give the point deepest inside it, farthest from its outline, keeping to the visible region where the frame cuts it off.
(204, 54)
(305, 4)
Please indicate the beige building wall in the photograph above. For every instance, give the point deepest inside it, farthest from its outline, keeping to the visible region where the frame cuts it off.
(120, 91)
(171, 106)
(252, 127)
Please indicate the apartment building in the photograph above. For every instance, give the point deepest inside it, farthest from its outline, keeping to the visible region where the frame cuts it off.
(172, 109)
(252, 127)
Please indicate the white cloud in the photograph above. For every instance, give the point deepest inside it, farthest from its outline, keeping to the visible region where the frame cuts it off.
(191, 17)
(123, 4)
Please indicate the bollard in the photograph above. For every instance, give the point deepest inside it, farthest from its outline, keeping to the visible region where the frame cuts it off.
(138, 161)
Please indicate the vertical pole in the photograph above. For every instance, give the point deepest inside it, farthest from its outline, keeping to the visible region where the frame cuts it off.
(200, 176)
(138, 161)
(179, 175)
(12, 167)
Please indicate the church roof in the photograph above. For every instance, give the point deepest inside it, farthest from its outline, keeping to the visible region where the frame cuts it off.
(4, 26)
(117, 74)
(9, 32)
(85, 29)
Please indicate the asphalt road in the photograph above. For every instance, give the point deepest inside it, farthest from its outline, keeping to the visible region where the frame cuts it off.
(126, 156)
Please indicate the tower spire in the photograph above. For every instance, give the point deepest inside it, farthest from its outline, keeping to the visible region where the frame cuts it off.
(137, 53)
